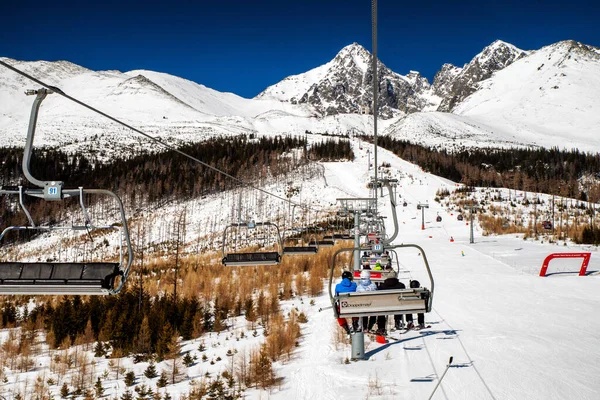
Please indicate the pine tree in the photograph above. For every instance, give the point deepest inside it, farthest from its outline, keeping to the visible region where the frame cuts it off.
(264, 369)
(151, 372)
(163, 380)
(130, 378)
(127, 395)
(144, 338)
(64, 391)
(164, 341)
(99, 350)
(188, 361)
(99, 388)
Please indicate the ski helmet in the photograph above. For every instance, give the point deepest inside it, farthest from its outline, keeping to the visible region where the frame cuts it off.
(365, 274)
(415, 284)
(347, 274)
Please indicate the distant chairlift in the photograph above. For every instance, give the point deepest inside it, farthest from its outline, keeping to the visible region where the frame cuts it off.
(438, 218)
(459, 217)
(298, 250)
(547, 225)
(257, 258)
(68, 278)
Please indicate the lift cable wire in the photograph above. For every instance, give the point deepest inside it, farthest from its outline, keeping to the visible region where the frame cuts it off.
(157, 140)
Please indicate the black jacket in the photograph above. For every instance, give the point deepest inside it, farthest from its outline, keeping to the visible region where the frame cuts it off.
(391, 283)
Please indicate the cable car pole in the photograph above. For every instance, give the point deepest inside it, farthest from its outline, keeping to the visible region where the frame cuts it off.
(375, 87)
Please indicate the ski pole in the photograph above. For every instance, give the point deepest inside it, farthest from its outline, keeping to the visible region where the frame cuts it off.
(440, 381)
(325, 308)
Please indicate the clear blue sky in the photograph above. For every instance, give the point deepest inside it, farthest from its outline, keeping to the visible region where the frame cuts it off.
(245, 46)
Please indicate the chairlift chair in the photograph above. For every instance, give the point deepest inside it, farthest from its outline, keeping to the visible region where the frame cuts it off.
(382, 302)
(299, 250)
(459, 217)
(255, 258)
(438, 218)
(547, 225)
(55, 278)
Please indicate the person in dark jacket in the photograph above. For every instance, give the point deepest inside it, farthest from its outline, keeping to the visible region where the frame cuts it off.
(389, 284)
(420, 316)
(346, 286)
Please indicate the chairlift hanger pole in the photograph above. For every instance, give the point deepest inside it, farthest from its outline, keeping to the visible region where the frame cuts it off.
(375, 87)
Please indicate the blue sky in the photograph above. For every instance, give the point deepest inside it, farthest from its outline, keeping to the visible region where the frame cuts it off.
(245, 46)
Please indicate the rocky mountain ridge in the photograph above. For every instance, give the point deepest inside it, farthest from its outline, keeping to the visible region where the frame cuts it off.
(344, 85)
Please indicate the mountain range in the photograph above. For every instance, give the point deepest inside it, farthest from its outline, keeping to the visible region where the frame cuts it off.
(503, 97)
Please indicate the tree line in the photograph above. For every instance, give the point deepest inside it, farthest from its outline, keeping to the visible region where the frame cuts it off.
(331, 150)
(550, 171)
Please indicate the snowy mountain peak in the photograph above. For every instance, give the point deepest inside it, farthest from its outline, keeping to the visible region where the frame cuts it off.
(492, 58)
(354, 55)
(498, 55)
(344, 86)
(574, 48)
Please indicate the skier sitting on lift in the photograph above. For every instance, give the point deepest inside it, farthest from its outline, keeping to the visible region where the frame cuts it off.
(388, 284)
(420, 316)
(365, 285)
(390, 272)
(345, 286)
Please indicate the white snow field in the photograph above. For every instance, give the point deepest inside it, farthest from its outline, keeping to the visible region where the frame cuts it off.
(513, 334)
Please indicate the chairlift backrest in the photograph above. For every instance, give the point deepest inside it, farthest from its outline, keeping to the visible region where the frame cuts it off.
(253, 258)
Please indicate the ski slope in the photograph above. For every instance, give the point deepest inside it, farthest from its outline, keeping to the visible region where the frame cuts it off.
(513, 334)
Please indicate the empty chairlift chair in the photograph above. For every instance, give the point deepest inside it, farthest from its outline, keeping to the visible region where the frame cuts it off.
(299, 250)
(256, 258)
(69, 278)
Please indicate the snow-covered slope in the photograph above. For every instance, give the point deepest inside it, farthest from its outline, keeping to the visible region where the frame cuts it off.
(450, 132)
(214, 102)
(548, 98)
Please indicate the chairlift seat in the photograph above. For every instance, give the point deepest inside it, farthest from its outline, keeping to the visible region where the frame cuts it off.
(384, 302)
(57, 278)
(325, 243)
(339, 236)
(328, 237)
(264, 258)
(300, 250)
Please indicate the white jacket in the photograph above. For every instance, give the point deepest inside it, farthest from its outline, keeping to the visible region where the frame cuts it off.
(365, 285)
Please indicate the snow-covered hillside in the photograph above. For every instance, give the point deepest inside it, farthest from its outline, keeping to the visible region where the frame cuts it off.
(541, 97)
(513, 335)
(503, 97)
